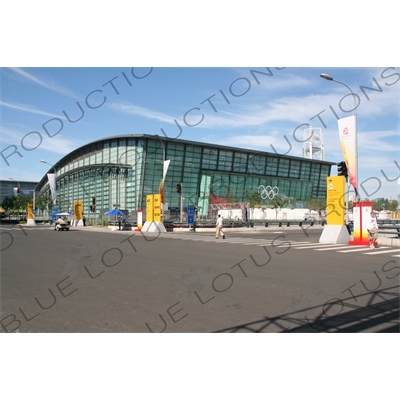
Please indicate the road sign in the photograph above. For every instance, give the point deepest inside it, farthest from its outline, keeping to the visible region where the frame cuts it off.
(190, 215)
(54, 211)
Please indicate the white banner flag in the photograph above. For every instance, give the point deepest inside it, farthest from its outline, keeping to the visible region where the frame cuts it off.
(347, 134)
(165, 167)
(52, 184)
(161, 188)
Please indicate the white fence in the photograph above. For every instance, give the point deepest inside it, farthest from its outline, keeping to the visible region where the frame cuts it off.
(284, 214)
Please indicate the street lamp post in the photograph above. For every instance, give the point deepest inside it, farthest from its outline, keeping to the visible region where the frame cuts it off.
(19, 190)
(55, 177)
(163, 163)
(329, 78)
(34, 198)
(19, 186)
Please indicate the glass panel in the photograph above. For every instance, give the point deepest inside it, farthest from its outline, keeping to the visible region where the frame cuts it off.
(209, 160)
(272, 166)
(225, 160)
(240, 162)
(283, 169)
(256, 164)
(294, 169)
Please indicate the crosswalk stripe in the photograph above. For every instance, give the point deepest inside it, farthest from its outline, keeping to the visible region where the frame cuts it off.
(258, 243)
(313, 245)
(363, 248)
(356, 248)
(377, 252)
(337, 247)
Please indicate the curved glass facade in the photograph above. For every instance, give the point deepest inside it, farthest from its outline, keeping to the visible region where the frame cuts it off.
(120, 171)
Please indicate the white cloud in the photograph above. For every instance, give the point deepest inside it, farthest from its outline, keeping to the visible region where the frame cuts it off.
(378, 141)
(272, 142)
(141, 111)
(28, 108)
(48, 85)
(56, 144)
(10, 135)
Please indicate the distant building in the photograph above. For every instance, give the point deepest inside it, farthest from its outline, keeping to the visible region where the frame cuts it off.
(119, 171)
(7, 187)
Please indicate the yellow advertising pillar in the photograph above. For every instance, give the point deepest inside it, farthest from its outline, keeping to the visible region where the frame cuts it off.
(29, 214)
(78, 213)
(149, 207)
(335, 200)
(153, 214)
(157, 208)
(335, 230)
(29, 211)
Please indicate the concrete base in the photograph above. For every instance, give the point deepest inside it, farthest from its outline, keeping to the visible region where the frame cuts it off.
(153, 227)
(77, 222)
(31, 221)
(335, 234)
(389, 241)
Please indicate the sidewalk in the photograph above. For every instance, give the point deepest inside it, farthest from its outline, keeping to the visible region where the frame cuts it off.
(382, 240)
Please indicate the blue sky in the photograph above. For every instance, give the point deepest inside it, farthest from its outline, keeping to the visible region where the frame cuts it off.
(228, 106)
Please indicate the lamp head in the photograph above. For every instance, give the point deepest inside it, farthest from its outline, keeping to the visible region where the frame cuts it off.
(327, 77)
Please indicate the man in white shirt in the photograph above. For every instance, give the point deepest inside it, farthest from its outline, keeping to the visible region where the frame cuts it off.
(218, 228)
(58, 223)
(372, 228)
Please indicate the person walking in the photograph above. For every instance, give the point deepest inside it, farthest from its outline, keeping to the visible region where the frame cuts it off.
(84, 220)
(372, 228)
(218, 227)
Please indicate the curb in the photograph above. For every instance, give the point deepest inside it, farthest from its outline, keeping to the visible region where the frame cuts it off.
(383, 241)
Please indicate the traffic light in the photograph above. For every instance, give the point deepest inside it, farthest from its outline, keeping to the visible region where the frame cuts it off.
(18, 190)
(91, 208)
(94, 200)
(342, 169)
(179, 187)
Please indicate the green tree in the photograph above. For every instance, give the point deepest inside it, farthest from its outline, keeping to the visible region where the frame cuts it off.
(42, 202)
(385, 204)
(393, 205)
(316, 204)
(8, 203)
(21, 203)
(254, 199)
(230, 196)
(18, 203)
(278, 202)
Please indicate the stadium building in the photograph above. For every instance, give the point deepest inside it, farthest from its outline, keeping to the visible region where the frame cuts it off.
(118, 172)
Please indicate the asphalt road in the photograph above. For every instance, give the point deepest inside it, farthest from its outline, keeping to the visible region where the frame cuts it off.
(89, 280)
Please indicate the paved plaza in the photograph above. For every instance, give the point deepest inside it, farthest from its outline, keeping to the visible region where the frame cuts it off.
(275, 280)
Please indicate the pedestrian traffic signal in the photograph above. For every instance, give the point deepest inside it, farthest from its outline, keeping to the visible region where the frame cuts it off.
(179, 187)
(94, 200)
(342, 169)
(18, 190)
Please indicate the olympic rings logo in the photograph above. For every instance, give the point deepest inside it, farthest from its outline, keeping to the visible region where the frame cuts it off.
(268, 192)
